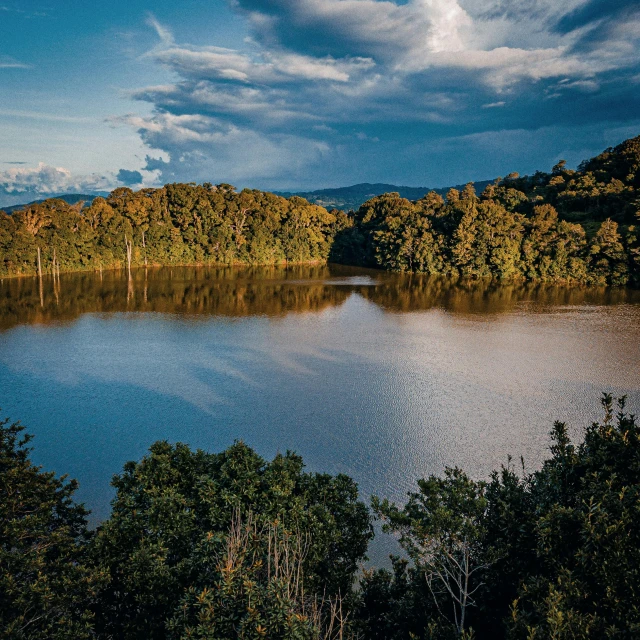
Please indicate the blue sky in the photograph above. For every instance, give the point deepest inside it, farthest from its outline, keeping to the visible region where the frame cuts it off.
(298, 94)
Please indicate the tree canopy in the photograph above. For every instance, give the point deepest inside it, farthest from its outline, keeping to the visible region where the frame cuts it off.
(229, 545)
(550, 554)
(562, 226)
(46, 585)
(177, 224)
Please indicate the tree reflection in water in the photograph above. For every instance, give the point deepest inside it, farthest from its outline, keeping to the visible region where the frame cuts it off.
(273, 292)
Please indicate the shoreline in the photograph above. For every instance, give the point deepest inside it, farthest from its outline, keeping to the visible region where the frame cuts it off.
(155, 265)
(312, 263)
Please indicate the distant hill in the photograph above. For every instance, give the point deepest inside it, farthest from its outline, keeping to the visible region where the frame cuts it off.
(70, 198)
(352, 197)
(344, 198)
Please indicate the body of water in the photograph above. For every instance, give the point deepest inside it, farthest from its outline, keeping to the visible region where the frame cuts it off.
(384, 377)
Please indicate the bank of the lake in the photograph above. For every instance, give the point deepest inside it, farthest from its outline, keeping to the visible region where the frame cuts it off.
(567, 226)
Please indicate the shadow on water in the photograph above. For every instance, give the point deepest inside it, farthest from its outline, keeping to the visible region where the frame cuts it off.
(273, 292)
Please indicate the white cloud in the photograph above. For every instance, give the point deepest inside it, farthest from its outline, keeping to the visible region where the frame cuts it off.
(7, 62)
(381, 29)
(203, 148)
(45, 180)
(274, 66)
(165, 35)
(503, 67)
(508, 40)
(39, 115)
(316, 71)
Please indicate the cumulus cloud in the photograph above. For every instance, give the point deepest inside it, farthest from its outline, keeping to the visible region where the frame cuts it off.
(19, 184)
(315, 71)
(203, 148)
(381, 29)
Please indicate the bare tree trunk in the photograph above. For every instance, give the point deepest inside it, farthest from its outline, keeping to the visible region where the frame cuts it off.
(129, 246)
(39, 265)
(144, 246)
(56, 290)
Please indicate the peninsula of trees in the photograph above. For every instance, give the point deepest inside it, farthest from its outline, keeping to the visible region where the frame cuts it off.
(578, 226)
(224, 546)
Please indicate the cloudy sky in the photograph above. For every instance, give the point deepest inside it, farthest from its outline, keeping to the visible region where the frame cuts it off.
(299, 94)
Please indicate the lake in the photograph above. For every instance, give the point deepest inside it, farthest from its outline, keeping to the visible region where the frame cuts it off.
(382, 376)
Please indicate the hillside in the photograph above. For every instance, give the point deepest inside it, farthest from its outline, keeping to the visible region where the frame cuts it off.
(350, 198)
(69, 198)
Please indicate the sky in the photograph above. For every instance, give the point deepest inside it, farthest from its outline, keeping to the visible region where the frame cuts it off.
(308, 94)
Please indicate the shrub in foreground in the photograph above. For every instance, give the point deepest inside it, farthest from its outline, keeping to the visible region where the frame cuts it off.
(229, 545)
(551, 554)
(45, 586)
(169, 532)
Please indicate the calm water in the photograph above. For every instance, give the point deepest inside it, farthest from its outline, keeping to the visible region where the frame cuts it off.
(384, 377)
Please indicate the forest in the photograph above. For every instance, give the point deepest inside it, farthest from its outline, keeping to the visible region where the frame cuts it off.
(566, 226)
(230, 545)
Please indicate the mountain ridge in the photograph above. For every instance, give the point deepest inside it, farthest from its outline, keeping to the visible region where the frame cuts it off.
(351, 197)
(345, 198)
(69, 198)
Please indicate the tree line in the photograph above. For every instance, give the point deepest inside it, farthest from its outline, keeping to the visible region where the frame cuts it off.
(230, 545)
(564, 226)
(576, 226)
(179, 224)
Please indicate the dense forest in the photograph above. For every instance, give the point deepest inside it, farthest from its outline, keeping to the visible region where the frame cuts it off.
(564, 226)
(229, 545)
(178, 224)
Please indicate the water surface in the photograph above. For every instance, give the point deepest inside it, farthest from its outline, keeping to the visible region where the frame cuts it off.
(381, 376)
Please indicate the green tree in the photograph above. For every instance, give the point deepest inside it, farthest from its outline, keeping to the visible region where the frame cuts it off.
(251, 585)
(586, 497)
(609, 263)
(551, 554)
(46, 588)
(441, 528)
(168, 505)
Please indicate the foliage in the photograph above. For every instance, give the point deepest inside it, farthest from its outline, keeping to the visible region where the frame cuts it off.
(586, 503)
(45, 587)
(442, 529)
(564, 226)
(395, 603)
(174, 504)
(229, 545)
(177, 224)
(578, 226)
(552, 554)
(254, 588)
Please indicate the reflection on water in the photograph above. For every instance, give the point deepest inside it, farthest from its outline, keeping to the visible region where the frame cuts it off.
(381, 376)
(273, 291)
